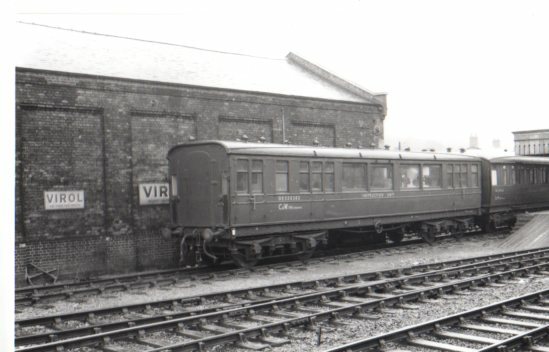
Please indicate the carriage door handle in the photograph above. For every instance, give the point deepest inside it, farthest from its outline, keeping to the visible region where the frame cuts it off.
(252, 199)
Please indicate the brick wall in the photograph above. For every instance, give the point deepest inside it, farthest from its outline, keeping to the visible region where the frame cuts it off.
(106, 136)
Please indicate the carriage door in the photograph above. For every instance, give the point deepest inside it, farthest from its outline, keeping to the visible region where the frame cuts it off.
(198, 206)
(249, 196)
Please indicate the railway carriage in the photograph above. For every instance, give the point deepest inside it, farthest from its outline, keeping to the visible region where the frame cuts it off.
(513, 184)
(248, 201)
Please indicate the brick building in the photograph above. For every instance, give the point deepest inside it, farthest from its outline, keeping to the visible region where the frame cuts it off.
(96, 115)
(532, 143)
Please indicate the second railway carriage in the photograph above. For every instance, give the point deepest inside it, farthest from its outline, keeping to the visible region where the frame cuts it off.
(247, 201)
(513, 184)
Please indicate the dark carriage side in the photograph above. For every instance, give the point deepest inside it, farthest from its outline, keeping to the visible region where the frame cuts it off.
(247, 201)
(513, 184)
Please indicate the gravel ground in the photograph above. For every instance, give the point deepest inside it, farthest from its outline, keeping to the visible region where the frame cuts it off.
(305, 340)
(354, 329)
(380, 259)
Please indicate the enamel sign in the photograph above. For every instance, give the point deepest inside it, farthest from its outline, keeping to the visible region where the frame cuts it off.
(56, 200)
(153, 193)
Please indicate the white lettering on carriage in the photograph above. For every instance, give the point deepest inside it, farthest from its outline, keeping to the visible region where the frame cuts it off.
(286, 206)
(378, 195)
(288, 198)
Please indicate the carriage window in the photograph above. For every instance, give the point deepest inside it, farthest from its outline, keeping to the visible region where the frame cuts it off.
(281, 176)
(382, 177)
(456, 175)
(504, 175)
(174, 186)
(450, 176)
(316, 176)
(462, 175)
(494, 176)
(521, 174)
(354, 177)
(432, 175)
(409, 176)
(242, 176)
(455, 178)
(304, 176)
(257, 176)
(329, 177)
(512, 175)
(474, 175)
(541, 178)
(539, 175)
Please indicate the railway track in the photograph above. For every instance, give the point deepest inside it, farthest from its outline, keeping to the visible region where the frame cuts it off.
(518, 324)
(30, 295)
(262, 316)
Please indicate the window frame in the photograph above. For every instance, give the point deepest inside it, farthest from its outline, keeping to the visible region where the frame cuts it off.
(325, 175)
(440, 177)
(306, 173)
(239, 171)
(449, 175)
(364, 167)
(418, 178)
(313, 173)
(475, 181)
(391, 168)
(457, 175)
(463, 175)
(278, 172)
(250, 172)
(254, 172)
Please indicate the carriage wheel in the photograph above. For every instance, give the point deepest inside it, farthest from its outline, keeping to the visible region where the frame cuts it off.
(459, 232)
(428, 237)
(244, 261)
(306, 254)
(395, 237)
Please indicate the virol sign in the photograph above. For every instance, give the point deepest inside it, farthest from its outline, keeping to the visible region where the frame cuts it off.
(54, 200)
(153, 193)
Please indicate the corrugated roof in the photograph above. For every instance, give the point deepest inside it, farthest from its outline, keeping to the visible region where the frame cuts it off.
(42, 47)
(325, 152)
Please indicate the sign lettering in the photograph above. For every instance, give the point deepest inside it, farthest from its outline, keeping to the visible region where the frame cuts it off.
(55, 200)
(153, 193)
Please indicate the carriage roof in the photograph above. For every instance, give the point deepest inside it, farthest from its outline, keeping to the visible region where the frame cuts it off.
(538, 160)
(283, 150)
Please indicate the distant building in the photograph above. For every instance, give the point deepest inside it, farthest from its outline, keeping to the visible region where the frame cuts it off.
(473, 141)
(533, 143)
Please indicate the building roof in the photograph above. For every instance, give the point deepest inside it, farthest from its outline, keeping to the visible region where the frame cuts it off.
(532, 131)
(56, 49)
(268, 149)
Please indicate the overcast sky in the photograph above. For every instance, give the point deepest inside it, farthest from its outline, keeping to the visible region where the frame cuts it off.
(451, 68)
